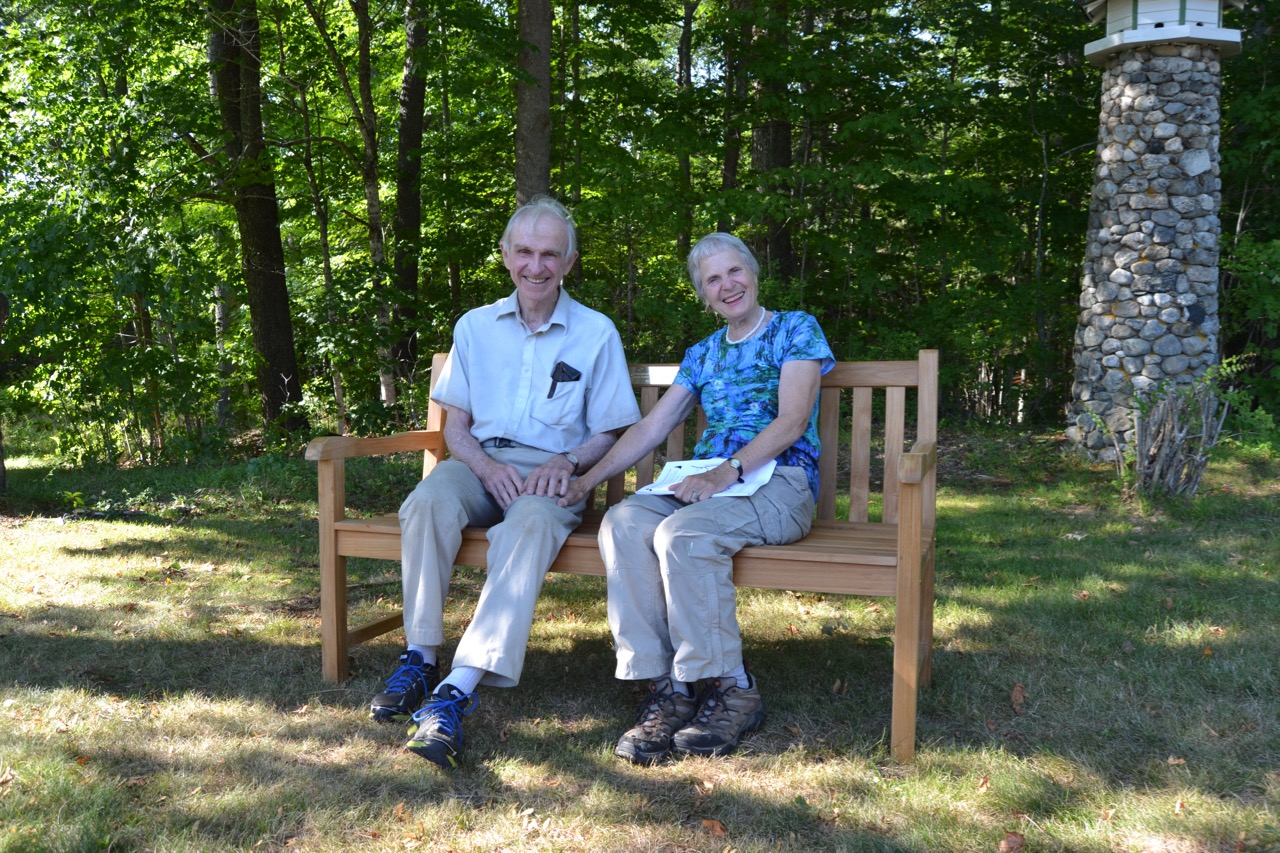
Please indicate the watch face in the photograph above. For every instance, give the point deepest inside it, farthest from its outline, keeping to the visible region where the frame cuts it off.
(736, 463)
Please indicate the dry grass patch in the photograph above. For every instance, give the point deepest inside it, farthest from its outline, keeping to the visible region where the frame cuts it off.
(1105, 680)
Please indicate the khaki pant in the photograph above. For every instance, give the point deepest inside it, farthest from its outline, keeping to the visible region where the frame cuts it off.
(669, 565)
(523, 542)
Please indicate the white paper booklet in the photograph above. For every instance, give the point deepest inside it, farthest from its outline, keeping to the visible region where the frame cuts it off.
(674, 472)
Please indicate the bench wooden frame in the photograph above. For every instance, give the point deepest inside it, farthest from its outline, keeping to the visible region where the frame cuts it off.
(891, 558)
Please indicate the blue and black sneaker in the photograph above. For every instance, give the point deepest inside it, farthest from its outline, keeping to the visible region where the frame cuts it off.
(406, 688)
(436, 733)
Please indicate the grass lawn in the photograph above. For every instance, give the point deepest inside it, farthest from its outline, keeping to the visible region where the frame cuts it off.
(1106, 678)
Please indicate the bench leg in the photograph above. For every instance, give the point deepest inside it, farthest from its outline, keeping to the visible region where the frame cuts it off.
(333, 619)
(907, 631)
(926, 624)
(906, 683)
(333, 574)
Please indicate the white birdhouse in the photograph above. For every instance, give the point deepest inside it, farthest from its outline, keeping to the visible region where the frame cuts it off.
(1132, 23)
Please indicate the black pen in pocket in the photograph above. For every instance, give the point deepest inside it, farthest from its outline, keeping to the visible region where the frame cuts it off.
(562, 373)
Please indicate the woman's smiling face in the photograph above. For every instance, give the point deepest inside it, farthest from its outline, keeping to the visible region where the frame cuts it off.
(729, 287)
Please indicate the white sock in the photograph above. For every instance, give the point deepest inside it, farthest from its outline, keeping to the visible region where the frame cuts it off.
(428, 652)
(465, 678)
(677, 685)
(737, 678)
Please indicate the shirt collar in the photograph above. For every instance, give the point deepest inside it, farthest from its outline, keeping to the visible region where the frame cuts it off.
(559, 316)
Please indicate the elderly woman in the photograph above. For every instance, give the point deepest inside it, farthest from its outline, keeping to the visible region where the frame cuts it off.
(669, 558)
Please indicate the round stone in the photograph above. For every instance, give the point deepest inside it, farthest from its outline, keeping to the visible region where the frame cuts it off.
(1115, 380)
(1193, 345)
(1134, 346)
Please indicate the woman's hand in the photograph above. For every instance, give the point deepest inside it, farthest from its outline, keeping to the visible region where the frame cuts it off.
(575, 492)
(699, 487)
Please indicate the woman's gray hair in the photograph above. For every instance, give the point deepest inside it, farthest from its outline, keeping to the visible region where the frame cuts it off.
(537, 206)
(713, 244)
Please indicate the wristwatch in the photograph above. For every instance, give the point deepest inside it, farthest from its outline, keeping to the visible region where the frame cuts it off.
(736, 464)
(573, 459)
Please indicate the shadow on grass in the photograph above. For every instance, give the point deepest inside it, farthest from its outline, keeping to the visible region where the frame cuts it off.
(1137, 641)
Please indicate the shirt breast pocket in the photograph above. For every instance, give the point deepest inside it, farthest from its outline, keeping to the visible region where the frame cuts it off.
(563, 408)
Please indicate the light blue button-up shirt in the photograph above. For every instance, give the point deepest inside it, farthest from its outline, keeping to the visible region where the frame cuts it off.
(500, 373)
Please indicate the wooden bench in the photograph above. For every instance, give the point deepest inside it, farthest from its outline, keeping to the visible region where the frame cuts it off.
(892, 557)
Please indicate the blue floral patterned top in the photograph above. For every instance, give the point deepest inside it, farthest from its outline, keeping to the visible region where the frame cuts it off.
(737, 385)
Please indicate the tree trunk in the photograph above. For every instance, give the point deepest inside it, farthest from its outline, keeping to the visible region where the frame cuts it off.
(684, 82)
(771, 138)
(533, 101)
(236, 85)
(408, 223)
(221, 331)
(320, 205)
(737, 39)
(360, 102)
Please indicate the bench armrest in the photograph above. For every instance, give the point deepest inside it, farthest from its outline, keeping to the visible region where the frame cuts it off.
(346, 446)
(917, 462)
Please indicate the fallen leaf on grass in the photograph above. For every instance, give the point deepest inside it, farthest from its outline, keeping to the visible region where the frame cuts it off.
(714, 826)
(1017, 697)
(1075, 536)
(7, 775)
(1013, 842)
(1208, 651)
(793, 630)
(984, 784)
(1108, 814)
(1179, 807)
(1082, 595)
(1175, 761)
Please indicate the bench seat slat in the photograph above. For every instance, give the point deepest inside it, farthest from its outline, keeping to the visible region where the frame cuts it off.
(859, 543)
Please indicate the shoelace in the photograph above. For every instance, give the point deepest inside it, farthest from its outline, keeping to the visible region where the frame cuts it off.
(714, 699)
(650, 714)
(404, 677)
(446, 713)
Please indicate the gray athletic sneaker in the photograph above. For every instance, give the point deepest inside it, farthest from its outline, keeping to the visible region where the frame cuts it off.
(663, 711)
(724, 716)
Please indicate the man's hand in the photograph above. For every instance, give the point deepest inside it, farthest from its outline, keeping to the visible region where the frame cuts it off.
(501, 481)
(550, 479)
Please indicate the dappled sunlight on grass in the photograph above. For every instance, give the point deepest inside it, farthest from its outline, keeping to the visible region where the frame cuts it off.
(1104, 679)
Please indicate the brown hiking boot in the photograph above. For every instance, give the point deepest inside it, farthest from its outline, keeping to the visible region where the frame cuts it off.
(663, 711)
(724, 716)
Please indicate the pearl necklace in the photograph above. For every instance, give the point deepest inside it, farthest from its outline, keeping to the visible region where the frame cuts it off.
(754, 329)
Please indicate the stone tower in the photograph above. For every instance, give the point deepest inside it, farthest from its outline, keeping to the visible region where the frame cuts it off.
(1149, 291)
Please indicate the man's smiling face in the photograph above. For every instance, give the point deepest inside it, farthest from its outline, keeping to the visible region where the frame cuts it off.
(535, 257)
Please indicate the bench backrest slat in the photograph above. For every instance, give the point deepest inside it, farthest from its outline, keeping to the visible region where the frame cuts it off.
(856, 385)
(860, 454)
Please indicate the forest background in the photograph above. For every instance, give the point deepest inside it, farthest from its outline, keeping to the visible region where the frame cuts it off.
(223, 216)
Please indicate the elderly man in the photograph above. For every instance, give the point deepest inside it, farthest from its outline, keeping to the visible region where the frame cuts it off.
(536, 389)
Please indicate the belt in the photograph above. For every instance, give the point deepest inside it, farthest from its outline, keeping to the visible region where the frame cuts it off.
(501, 443)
